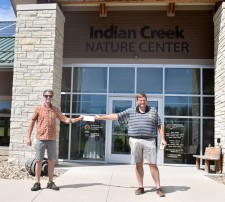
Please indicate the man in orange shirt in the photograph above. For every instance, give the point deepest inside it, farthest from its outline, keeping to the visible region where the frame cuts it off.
(45, 116)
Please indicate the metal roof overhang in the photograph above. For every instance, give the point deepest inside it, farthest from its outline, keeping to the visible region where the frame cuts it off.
(6, 50)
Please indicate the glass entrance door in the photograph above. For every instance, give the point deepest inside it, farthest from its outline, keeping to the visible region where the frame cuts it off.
(118, 141)
(118, 149)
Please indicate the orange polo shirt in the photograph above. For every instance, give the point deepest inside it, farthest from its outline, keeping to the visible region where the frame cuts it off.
(45, 118)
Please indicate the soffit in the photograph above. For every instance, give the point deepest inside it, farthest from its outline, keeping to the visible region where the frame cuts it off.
(139, 2)
(117, 2)
(126, 4)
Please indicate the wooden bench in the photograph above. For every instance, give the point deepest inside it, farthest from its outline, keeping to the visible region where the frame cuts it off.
(211, 154)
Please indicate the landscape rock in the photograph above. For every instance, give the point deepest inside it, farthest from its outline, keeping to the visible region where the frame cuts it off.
(9, 171)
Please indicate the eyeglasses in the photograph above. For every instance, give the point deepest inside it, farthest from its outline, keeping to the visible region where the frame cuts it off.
(46, 96)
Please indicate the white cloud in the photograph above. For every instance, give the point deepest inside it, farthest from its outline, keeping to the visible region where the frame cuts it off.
(7, 15)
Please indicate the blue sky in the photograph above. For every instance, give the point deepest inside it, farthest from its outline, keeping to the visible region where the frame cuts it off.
(6, 11)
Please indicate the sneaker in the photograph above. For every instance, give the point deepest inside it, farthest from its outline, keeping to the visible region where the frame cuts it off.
(160, 192)
(51, 185)
(139, 191)
(36, 187)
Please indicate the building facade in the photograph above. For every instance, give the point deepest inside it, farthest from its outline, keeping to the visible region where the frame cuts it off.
(97, 57)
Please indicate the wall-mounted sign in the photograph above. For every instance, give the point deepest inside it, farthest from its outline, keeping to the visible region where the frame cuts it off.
(174, 137)
(139, 34)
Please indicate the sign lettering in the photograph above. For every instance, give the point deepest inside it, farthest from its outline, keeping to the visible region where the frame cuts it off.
(145, 40)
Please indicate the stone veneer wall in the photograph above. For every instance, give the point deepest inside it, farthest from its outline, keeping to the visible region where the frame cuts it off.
(219, 60)
(38, 66)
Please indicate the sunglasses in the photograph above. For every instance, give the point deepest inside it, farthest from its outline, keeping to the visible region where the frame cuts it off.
(46, 96)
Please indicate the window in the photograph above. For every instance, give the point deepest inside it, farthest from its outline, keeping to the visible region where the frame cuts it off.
(66, 79)
(5, 107)
(89, 104)
(90, 79)
(121, 80)
(65, 103)
(208, 81)
(149, 80)
(208, 106)
(4, 131)
(208, 133)
(182, 106)
(182, 81)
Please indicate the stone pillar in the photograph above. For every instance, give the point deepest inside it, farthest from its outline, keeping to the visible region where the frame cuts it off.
(219, 60)
(37, 66)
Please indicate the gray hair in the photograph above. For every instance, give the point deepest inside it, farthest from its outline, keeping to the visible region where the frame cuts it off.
(48, 90)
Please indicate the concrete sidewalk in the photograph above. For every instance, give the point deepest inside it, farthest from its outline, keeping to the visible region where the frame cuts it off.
(116, 183)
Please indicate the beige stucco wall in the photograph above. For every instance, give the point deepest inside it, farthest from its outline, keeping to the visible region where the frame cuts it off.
(37, 66)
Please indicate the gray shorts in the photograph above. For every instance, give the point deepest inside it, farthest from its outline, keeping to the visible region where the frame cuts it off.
(143, 150)
(40, 147)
